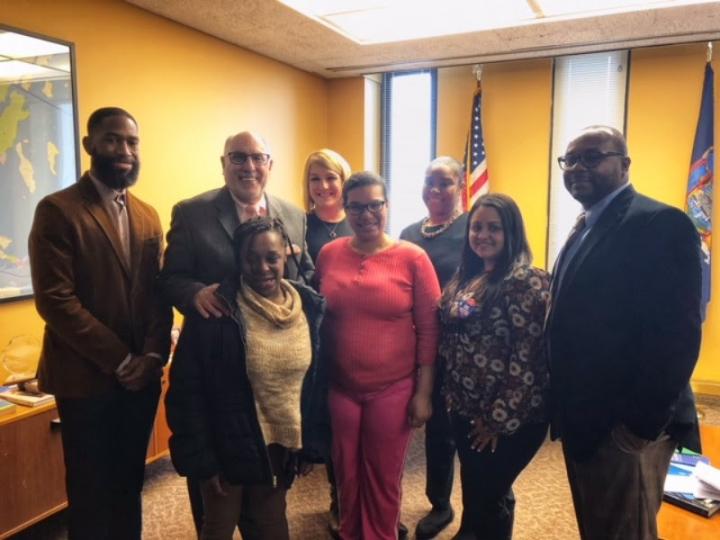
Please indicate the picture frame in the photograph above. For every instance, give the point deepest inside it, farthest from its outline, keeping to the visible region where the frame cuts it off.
(39, 151)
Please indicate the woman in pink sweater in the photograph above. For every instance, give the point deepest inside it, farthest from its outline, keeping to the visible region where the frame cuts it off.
(380, 336)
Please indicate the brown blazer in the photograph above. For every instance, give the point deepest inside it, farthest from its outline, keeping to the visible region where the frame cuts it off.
(96, 308)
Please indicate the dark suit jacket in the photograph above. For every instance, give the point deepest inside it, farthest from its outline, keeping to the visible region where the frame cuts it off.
(200, 250)
(624, 328)
(96, 308)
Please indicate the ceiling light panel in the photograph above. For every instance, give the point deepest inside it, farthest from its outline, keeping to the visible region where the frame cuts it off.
(384, 21)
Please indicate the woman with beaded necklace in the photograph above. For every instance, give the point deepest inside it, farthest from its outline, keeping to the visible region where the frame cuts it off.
(325, 174)
(441, 234)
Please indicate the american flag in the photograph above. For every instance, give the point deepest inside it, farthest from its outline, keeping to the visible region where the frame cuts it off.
(476, 175)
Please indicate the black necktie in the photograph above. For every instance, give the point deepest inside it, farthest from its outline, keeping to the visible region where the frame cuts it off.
(562, 260)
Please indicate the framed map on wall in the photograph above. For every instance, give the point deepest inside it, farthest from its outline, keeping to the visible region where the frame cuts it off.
(38, 142)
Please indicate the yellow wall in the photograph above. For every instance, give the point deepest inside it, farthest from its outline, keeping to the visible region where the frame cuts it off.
(188, 92)
(663, 107)
(346, 119)
(516, 116)
(455, 90)
(516, 126)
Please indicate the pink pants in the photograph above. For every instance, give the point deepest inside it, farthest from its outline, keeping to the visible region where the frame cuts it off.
(370, 441)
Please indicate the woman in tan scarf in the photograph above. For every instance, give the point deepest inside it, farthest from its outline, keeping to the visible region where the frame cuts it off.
(247, 398)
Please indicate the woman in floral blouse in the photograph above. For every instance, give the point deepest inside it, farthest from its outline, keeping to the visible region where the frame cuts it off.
(491, 348)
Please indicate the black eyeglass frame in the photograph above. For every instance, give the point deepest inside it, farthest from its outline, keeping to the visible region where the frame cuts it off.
(588, 159)
(373, 207)
(239, 158)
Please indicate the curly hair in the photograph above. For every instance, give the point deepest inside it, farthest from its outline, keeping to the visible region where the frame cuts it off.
(247, 231)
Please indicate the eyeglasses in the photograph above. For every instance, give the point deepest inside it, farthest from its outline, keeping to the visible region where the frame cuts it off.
(355, 209)
(239, 158)
(588, 159)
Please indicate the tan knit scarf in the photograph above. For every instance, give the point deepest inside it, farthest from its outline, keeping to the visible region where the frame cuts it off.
(281, 315)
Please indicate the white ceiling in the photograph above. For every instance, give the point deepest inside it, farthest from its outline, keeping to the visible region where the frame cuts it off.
(277, 31)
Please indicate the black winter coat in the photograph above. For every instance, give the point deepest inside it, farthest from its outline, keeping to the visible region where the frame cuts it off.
(210, 403)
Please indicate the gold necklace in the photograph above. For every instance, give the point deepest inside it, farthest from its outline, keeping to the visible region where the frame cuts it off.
(431, 231)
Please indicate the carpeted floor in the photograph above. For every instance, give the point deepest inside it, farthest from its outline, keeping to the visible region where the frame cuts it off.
(544, 506)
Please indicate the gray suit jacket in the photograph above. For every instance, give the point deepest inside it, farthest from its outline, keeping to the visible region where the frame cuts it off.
(200, 250)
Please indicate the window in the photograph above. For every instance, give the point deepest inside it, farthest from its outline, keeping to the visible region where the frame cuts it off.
(409, 120)
(589, 89)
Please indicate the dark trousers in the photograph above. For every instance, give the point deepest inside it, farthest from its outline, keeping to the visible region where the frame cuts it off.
(196, 503)
(617, 493)
(439, 452)
(487, 477)
(105, 441)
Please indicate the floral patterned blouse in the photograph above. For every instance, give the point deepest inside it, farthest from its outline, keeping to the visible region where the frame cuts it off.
(493, 356)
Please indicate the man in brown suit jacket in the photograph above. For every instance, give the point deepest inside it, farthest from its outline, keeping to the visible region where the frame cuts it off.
(95, 252)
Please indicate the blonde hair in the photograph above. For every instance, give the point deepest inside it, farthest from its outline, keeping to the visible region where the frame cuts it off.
(329, 159)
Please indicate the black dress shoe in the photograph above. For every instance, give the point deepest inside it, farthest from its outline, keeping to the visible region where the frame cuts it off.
(402, 531)
(434, 522)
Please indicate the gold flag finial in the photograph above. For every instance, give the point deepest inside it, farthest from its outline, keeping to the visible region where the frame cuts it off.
(708, 52)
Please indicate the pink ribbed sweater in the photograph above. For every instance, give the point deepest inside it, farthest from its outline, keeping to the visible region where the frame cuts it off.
(381, 318)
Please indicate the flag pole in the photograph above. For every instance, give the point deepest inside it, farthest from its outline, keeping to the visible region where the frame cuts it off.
(476, 173)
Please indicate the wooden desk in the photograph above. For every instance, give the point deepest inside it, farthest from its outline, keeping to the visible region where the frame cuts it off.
(675, 523)
(32, 470)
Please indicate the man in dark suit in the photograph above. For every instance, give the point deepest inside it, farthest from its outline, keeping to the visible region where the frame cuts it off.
(623, 335)
(200, 251)
(95, 251)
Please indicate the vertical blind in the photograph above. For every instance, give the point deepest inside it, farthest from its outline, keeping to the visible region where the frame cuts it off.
(588, 89)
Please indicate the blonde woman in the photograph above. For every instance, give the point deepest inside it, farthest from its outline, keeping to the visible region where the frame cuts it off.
(325, 174)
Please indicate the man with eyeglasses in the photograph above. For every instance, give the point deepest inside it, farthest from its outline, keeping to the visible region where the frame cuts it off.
(199, 254)
(623, 335)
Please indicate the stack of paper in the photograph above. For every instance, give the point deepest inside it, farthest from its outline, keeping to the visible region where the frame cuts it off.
(693, 484)
(707, 484)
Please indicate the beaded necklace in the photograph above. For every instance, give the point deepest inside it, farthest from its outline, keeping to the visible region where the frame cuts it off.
(431, 231)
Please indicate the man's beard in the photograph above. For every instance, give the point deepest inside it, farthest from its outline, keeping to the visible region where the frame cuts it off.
(104, 168)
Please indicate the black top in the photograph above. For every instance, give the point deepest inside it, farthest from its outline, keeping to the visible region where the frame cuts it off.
(321, 232)
(444, 250)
